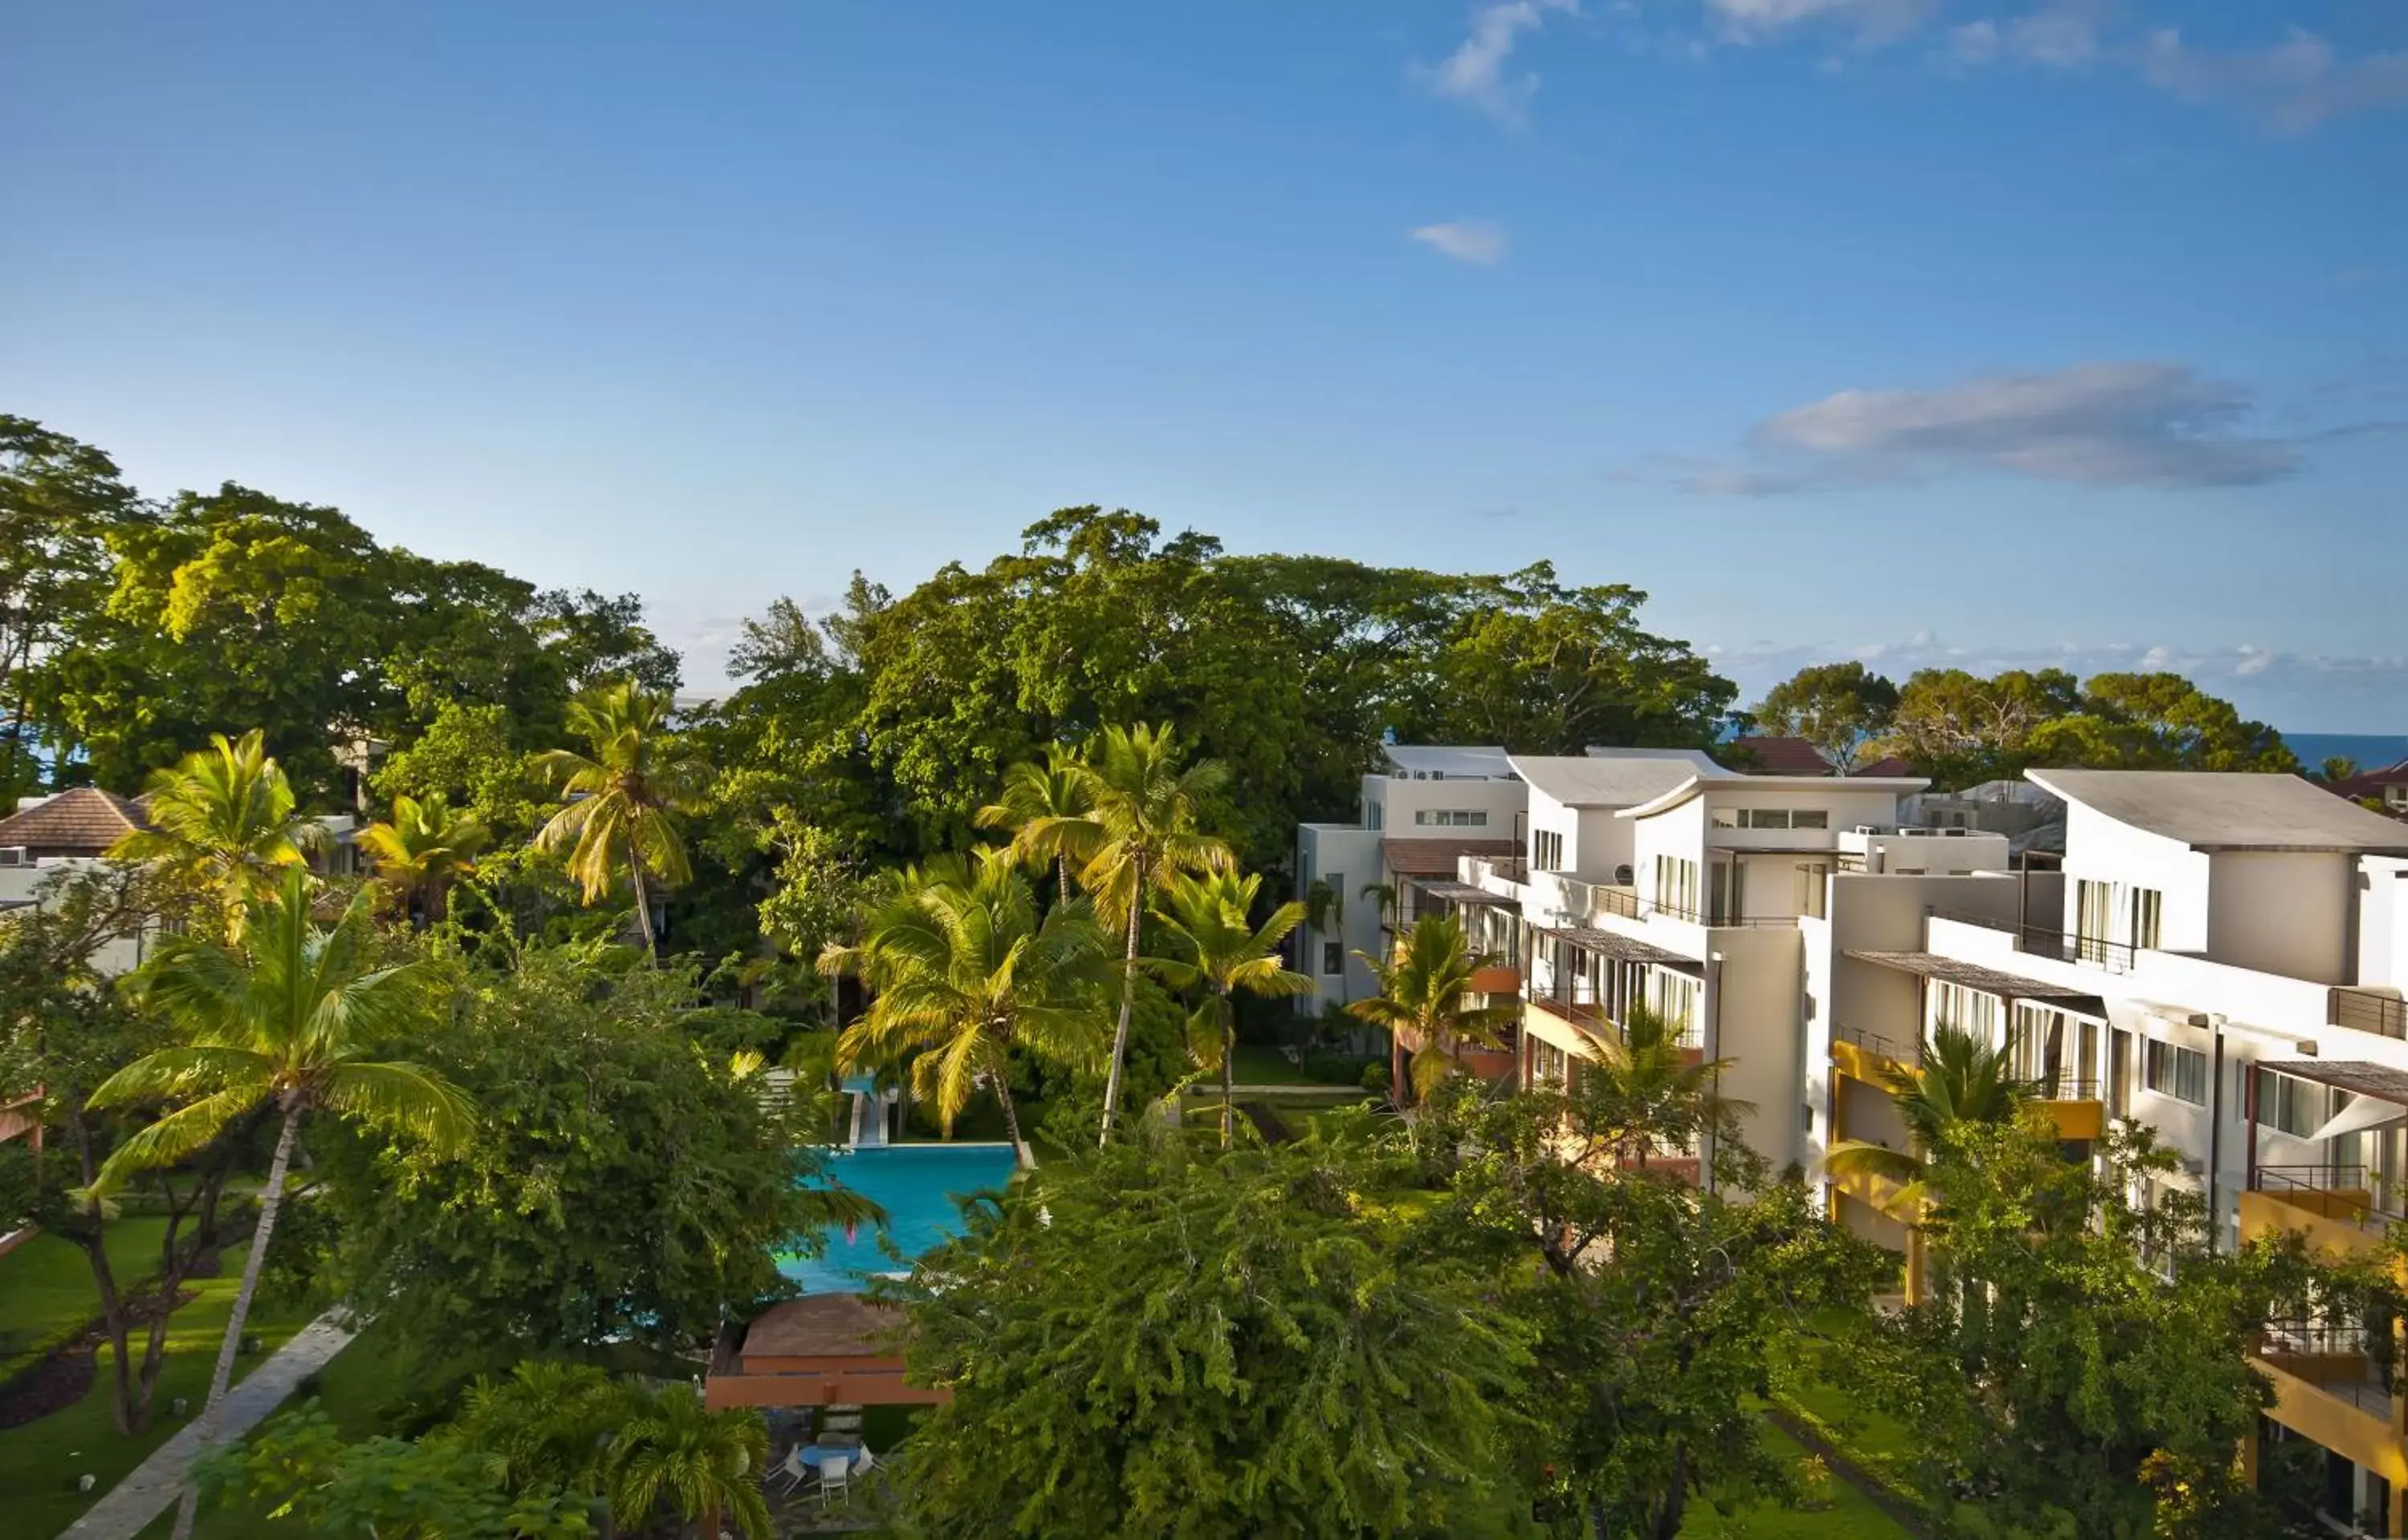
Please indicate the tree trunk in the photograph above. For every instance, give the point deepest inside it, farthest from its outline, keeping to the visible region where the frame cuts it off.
(1676, 1500)
(1061, 879)
(188, 1510)
(1228, 1071)
(1128, 1001)
(1010, 1118)
(643, 910)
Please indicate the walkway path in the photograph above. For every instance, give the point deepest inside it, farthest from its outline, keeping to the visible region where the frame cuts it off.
(151, 1488)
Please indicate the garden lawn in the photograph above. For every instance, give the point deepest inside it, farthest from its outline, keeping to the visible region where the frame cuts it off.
(39, 1462)
(1261, 1064)
(1851, 1515)
(45, 1283)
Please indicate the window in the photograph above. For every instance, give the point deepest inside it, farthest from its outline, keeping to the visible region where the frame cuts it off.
(1547, 850)
(1726, 817)
(2148, 905)
(1336, 881)
(1765, 819)
(1810, 888)
(1333, 956)
(2169, 1069)
(1673, 998)
(2297, 1107)
(1547, 1063)
(1676, 885)
(1810, 819)
(1966, 1010)
(2396, 797)
(1452, 817)
(1774, 819)
(1372, 809)
(2093, 903)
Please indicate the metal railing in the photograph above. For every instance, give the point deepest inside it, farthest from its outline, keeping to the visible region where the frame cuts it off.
(2363, 1010)
(2069, 1088)
(2369, 1389)
(1576, 999)
(2334, 1186)
(1875, 1043)
(1627, 903)
(2041, 942)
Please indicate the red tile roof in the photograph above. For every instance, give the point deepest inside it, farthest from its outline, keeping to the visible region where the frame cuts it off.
(85, 821)
(2370, 783)
(1796, 756)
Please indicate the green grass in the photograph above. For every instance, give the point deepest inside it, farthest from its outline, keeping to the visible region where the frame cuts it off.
(1261, 1064)
(39, 1462)
(1852, 1515)
(45, 1283)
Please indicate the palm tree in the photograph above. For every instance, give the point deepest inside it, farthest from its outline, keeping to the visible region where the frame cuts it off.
(1046, 807)
(1142, 835)
(963, 969)
(621, 798)
(1645, 1094)
(1425, 988)
(222, 817)
(1960, 1080)
(546, 1422)
(422, 851)
(1220, 953)
(284, 1020)
(702, 1462)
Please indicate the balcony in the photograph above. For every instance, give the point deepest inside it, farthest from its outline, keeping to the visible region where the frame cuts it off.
(2334, 1206)
(2041, 942)
(1502, 979)
(1627, 903)
(2076, 1106)
(2369, 1011)
(2329, 1388)
(1476, 1058)
(1871, 1058)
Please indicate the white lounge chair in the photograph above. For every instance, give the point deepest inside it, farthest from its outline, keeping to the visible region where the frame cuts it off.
(794, 1470)
(834, 1483)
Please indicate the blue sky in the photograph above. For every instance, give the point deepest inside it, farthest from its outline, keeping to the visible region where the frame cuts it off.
(2033, 332)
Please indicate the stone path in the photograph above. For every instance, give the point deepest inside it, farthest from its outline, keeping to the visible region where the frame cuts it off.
(151, 1488)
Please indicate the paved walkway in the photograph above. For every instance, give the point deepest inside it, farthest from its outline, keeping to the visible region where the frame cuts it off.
(151, 1488)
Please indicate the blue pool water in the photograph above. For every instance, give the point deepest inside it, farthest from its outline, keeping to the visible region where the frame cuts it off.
(916, 1184)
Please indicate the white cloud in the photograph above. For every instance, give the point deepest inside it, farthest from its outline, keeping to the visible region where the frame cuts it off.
(1477, 241)
(1477, 74)
(1874, 21)
(2295, 85)
(2101, 424)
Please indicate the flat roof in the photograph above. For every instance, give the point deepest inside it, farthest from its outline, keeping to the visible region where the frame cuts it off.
(2229, 810)
(1469, 762)
(1622, 948)
(1990, 980)
(1611, 779)
(1897, 786)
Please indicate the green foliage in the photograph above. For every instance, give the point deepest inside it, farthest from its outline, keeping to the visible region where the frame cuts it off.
(1148, 1342)
(621, 1185)
(1839, 708)
(469, 755)
(622, 797)
(59, 500)
(1962, 728)
(1426, 989)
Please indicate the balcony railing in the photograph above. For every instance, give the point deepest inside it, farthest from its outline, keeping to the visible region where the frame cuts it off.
(1504, 868)
(2330, 1189)
(2041, 942)
(2367, 1012)
(2366, 1385)
(1630, 905)
(2069, 1088)
(1576, 999)
(1907, 1052)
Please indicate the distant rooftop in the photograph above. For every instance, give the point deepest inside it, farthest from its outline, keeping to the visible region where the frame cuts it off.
(1615, 778)
(1751, 785)
(1454, 762)
(1796, 757)
(84, 821)
(2210, 810)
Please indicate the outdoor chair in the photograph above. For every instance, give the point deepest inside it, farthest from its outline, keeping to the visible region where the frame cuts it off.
(793, 1469)
(834, 1483)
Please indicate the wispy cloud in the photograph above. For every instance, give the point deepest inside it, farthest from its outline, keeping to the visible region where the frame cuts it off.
(2099, 425)
(1873, 22)
(1477, 241)
(2294, 85)
(2063, 35)
(1478, 73)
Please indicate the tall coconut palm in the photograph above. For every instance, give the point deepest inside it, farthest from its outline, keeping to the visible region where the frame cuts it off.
(1644, 1095)
(222, 818)
(1045, 809)
(962, 969)
(1143, 807)
(546, 1422)
(672, 1449)
(622, 798)
(1426, 989)
(286, 1020)
(1217, 949)
(422, 851)
(1961, 1080)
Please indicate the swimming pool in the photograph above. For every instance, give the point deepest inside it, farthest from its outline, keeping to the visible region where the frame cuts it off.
(916, 1184)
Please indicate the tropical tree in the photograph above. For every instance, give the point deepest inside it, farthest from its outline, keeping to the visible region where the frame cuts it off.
(1644, 1096)
(548, 1423)
(422, 850)
(221, 818)
(1141, 834)
(286, 1020)
(1045, 808)
(1426, 989)
(1219, 950)
(963, 969)
(1960, 1080)
(672, 1449)
(1839, 708)
(622, 798)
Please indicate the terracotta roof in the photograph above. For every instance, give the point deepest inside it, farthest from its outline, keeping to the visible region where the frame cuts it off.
(82, 822)
(1437, 858)
(1796, 756)
(2370, 783)
(820, 1326)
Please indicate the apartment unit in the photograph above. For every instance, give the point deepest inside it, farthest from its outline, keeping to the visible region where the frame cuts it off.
(1424, 810)
(2222, 958)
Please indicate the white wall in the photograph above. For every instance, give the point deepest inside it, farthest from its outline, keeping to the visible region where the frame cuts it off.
(26, 882)
(2282, 912)
(1399, 800)
(2102, 849)
(1843, 809)
(1753, 1017)
(1353, 852)
(2383, 921)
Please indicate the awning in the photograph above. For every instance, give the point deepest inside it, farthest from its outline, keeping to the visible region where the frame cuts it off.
(1437, 858)
(1989, 981)
(1608, 943)
(1461, 893)
(2361, 1078)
